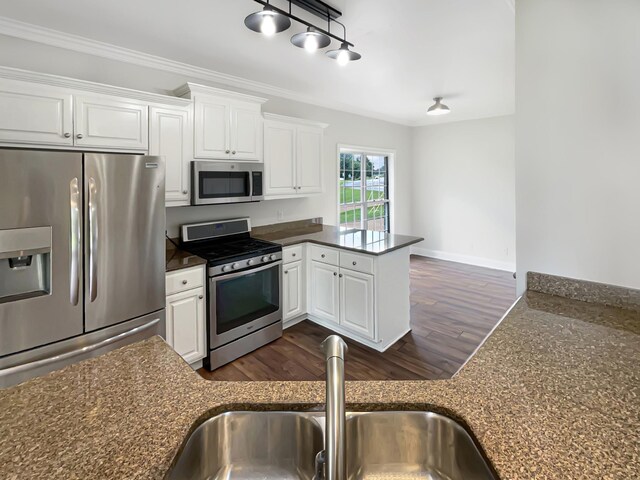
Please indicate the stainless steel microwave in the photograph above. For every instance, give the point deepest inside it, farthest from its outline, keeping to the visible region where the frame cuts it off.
(225, 182)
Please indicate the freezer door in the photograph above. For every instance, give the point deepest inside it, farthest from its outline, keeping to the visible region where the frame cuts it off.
(124, 238)
(40, 249)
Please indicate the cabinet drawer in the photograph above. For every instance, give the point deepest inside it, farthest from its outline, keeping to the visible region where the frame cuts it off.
(324, 254)
(182, 280)
(292, 254)
(359, 263)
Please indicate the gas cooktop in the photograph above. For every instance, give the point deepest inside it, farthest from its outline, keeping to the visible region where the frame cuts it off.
(223, 250)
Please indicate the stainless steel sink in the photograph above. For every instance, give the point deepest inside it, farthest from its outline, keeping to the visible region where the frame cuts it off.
(283, 445)
(251, 445)
(411, 445)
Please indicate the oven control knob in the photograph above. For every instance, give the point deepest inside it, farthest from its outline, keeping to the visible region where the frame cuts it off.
(226, 268)
(250, 262)
(272, 257)
(234, 266)
(265, 258)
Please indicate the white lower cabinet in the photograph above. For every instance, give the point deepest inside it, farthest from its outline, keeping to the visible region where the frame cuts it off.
(360, 296)
(185, 307)
(293, 290)
(324, 292)
(356, 302)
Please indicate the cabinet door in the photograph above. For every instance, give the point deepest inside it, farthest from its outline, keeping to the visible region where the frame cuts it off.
(293, 294)
(356, 303)
(309, 159)
(246, 133)
(110, 122)
(324, 291)
(185, 324)
(279, 158)
(211, 129)
(169, 136)
(35, 114)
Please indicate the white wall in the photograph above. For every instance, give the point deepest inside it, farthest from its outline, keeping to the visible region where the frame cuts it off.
(344, 128)
(463, 191)
(578, 139)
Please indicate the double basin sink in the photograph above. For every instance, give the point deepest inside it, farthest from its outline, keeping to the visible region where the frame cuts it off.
(284, 445)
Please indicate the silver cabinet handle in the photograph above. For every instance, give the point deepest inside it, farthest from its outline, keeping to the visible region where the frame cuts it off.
(67, 135)
(227, 151)
(93, 239)
(79, 135)
(184, 192)
(184, 282)
(233, 152)
(340, 275)
(286, 271)
(335, 273)
(323, 255)
(293, 254)
(200, 297)
(73, 353)
(74, 244)
(355, 263)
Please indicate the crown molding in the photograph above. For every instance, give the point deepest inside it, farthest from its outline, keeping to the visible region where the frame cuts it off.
(10, 73)
(189, 90)
(299, 121)
(56, 38)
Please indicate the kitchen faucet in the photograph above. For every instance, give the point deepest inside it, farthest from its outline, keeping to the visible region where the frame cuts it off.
(333, 457)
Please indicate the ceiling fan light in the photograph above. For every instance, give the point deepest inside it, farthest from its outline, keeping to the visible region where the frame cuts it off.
(311, 40)
(438, 108)
(343, 55)
(268, 22)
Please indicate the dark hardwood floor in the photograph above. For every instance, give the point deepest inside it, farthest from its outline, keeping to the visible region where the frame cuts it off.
(453, 307)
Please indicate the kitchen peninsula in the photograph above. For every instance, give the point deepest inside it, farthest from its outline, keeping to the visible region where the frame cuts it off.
(551, 390)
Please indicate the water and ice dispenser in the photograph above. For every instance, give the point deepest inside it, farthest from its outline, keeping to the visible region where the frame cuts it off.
(25, 263)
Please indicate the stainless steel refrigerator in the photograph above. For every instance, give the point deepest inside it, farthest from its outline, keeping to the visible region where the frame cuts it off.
(81, 257)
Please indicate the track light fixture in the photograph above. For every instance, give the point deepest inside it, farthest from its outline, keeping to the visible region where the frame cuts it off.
(311, 40)
(268, 22)
(272, 20)
(438, 108)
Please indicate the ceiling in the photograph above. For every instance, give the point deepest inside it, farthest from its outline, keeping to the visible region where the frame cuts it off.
(412, 50)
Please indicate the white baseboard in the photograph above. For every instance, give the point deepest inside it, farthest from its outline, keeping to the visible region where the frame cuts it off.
(468, 259)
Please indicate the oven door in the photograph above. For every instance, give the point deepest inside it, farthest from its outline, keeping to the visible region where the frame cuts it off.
(243, 302)
(214, 183)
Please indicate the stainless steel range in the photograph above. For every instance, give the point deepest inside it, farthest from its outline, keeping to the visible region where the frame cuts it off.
(244, 287)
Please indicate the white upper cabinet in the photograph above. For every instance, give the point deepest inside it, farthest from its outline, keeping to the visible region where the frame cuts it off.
(211, 129)
(170, 136)
(227, 125)
(309, 159)
(293, 156)
(246, 132)
(280, 158)
(35, 114)
(105, 121)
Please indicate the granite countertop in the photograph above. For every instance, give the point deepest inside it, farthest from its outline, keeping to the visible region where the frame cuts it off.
(554, 393)
(363, 241)
(178, 259)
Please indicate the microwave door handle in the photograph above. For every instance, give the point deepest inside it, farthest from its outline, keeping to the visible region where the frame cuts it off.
(75, 239)
(250, 185)
(93, 240)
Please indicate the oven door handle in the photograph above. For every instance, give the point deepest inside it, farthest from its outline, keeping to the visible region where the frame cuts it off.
(229, 276)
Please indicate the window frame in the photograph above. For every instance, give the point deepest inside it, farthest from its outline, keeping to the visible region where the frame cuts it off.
(364, 205)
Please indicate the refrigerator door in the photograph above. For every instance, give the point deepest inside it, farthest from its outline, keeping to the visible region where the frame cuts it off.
(40, 248)
(124, 238)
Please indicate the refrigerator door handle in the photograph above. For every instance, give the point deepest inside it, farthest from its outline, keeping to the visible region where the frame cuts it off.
(93, 239)
(74, 353)
(75, 241)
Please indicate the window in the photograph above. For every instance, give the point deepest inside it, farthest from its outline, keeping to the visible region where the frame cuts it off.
(364, 190)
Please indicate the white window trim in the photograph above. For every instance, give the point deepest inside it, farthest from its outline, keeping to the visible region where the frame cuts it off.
(391, 154)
